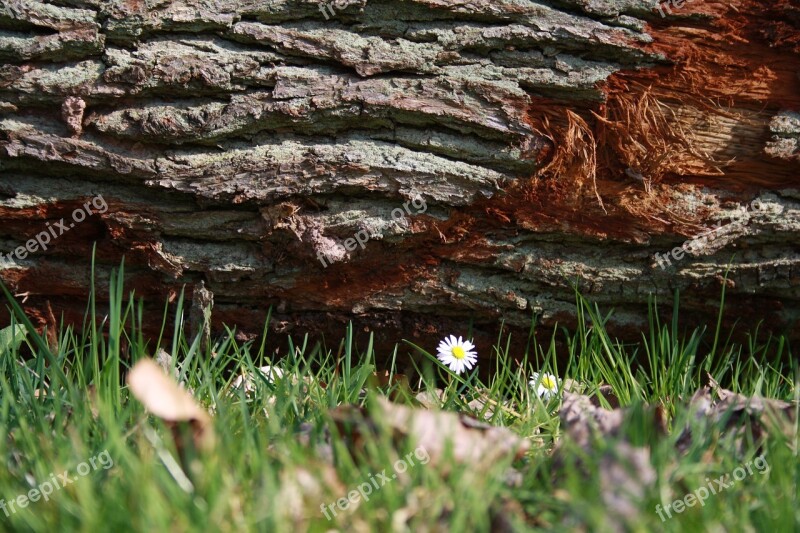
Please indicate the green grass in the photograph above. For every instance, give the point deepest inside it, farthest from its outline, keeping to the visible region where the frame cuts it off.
(62, 405)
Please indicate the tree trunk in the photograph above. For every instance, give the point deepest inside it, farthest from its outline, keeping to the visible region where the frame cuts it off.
(413, 165)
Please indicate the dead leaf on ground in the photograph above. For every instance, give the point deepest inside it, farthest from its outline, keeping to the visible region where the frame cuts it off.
(473, 442)
(355, 426)
(625, 471)
(731, 411)
(164, 398)
(606, 391)
(583, 421)
(431, 399)
(307, 487)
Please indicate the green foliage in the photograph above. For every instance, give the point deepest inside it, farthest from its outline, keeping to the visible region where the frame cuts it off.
(62, 404)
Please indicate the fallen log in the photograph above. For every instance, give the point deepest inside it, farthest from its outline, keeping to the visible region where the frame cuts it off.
(411, 165)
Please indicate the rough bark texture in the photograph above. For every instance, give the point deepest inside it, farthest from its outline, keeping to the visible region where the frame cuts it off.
(551, 143)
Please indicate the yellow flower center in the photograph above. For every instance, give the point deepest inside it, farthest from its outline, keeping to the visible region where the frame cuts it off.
(458, 352)
(548, 382)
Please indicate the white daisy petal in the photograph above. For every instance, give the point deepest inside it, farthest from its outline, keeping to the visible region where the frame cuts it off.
(546, 385)
(457, 354)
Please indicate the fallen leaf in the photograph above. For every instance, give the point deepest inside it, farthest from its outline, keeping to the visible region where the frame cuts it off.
(626, 473)
(164, 398)
(734, 412)
(606, 391)
(473, 442)
(431, 399)
(309, 487)
(624, 470)
(583, 421)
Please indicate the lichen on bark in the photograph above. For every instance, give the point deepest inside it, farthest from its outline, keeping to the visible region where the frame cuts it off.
(555, 144)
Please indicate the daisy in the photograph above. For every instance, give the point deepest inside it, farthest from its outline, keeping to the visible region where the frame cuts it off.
(459, 354)
(546, 385)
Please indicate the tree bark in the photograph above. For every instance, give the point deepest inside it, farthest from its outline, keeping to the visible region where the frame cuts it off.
(489, 155)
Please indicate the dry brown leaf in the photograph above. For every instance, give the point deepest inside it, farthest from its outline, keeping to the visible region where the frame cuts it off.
(164, 398)
(355, 426)
(473, 442)
(606, 391)
(625, 470)
(308, 487)
(736, 412)
(582, 421)
(626, 473)
(431, 399)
